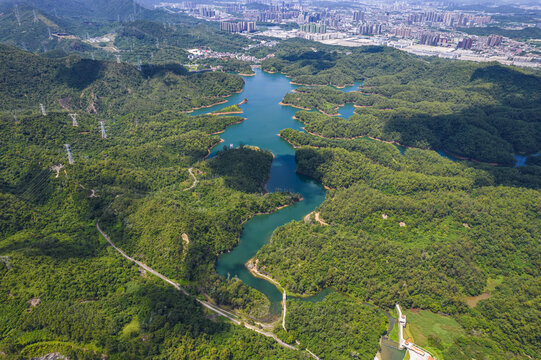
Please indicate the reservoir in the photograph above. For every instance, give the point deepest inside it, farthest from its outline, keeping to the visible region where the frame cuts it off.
(265, 118)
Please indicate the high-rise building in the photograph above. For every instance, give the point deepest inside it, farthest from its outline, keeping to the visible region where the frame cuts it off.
(465, 44)
(358, 15)
(434, 17)
(415, 18)
(206, 12)
(402, 32)
(241, 26)
(314, 28)
(370, 29)
(494, 40)
(430, 39)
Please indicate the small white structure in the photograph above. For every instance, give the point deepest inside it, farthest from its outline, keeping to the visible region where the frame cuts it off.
(402, 320)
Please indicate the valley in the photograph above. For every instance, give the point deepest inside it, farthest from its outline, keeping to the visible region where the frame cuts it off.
(276, 203)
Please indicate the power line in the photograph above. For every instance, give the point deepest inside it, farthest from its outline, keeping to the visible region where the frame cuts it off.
(103, 132)
(17, 15)
(70, 158)
(74, 119)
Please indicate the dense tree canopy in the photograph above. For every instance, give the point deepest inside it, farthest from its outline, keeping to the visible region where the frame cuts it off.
(484, 112)
(421, 230)
(62, 288)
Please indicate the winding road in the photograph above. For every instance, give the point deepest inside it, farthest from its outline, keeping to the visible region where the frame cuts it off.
(234, 318)
(190, 170)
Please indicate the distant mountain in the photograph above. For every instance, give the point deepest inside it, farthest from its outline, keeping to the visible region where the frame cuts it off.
(34, 30)
(526, 33)
(74, 83)
(88, 9)
(148, 3)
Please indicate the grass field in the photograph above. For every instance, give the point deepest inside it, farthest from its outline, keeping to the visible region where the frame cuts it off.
(394, 333)
(421, 324)
(431, 331)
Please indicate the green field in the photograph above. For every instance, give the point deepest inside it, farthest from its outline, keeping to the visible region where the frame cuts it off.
(394, 333)
(431, 331)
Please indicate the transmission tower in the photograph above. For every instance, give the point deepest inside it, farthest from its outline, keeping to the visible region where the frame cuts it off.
(24, 46)
(117, 59)
(103, 132)
(17, 15)
(139, 64)
(42, 108)
(74, 119)
(55, 13)
(49, 30)
(68, 150)
(35, 16)
(92, 55)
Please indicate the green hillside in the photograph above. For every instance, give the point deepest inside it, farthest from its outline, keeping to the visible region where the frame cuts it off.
(89, 9)
(420, 230)
(151, 36)
(74, 83)
(484, 112)
(63, 288)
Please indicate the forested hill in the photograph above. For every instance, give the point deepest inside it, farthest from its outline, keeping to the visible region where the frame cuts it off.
(526, 33)
(484, 112)
(74, 83)
(418, 229)
(134, 162)
(87, 9)
(132, 32)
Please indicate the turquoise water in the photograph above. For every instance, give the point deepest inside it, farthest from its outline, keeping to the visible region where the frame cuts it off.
(354, 87)
(520, 160)
(265, 118)
(346, 111)
(314, 298)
